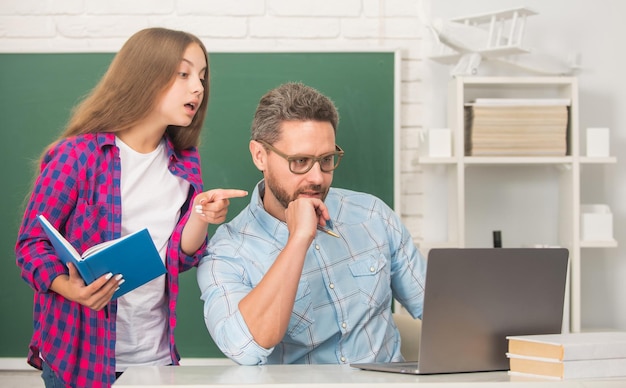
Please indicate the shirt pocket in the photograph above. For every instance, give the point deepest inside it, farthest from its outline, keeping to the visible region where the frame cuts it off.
(372, 277)
(301, 316)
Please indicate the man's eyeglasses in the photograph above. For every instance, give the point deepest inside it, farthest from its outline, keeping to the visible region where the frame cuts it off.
(301, 164)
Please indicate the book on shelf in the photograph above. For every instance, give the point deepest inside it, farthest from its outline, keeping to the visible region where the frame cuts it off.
(521, 112)
(522, 131)
(569, 369)
(134, 256)
(507, 152)
(509, 130)
(521, 102)
(568, 355)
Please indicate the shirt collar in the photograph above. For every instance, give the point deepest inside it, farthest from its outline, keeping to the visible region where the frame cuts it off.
(105, 138)
(108, 138)
(171, 153)
(267, 221)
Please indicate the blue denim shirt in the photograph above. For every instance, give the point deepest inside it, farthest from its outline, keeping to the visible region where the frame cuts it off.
(342, 311)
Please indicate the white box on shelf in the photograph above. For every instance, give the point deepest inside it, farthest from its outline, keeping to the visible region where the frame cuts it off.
(596, 223)
(598, 142)
(436, 142)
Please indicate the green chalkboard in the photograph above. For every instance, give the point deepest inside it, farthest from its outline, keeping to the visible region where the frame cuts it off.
(38, 91)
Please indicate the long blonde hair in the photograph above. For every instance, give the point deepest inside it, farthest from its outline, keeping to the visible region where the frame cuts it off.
(139, 74)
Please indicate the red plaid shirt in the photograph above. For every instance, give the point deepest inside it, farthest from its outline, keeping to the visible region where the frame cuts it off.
(78, 190)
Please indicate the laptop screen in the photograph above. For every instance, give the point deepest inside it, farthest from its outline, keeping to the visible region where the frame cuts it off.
(475, 297)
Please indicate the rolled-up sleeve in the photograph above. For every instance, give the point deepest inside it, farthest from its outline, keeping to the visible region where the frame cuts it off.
(222, 285)
(408, 268)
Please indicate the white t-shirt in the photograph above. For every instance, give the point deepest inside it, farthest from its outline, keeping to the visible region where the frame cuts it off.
(152, 198)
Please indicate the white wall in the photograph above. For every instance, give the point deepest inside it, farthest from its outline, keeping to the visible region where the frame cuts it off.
(276, 25)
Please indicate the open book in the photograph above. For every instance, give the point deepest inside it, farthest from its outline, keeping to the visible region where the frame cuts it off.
(134, 256)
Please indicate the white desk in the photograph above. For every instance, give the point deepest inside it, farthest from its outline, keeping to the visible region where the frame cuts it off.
(328, 376)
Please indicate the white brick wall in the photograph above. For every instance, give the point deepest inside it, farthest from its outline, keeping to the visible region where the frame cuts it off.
(245, 25)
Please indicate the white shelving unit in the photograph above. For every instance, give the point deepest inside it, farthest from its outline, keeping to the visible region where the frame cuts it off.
(533, 200)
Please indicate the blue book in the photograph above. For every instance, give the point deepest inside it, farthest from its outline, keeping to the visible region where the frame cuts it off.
(134, 256)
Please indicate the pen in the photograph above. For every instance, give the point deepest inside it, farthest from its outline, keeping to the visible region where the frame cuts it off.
(327, 231)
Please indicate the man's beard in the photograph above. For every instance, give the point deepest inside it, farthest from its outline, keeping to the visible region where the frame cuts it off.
(283, 197)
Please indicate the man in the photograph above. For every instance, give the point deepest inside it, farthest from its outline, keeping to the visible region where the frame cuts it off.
(276, 287)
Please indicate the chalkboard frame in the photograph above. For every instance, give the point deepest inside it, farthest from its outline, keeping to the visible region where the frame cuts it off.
(38, 91)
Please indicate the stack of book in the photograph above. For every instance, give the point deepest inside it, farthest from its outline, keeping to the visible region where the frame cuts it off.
(516, 127)
(568, 356)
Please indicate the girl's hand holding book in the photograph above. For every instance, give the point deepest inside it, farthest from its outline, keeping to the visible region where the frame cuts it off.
(96, 295)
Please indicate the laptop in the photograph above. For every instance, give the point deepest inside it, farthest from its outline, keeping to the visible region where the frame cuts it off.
(475, 297)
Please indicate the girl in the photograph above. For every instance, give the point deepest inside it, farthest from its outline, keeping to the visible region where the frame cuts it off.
(127, 160)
